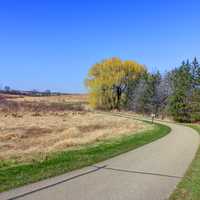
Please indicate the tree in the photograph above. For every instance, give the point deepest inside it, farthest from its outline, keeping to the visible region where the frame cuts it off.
(194, 96)
(195, 72)
(163, 92)
(184, 104)
(7, 88)
(148, 95)
(108, 82)
(47, 92)
(154, 81)
(138, 98)
(34, 92)
(179, 104)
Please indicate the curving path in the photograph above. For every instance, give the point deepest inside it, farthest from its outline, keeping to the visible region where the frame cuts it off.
(150, 172)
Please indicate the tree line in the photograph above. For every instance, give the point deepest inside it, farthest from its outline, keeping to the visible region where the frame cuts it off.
(128, 85)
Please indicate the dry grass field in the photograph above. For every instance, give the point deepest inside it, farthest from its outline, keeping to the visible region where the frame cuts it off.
(32, 127)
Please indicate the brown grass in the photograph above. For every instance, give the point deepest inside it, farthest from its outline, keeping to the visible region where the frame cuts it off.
(62, 98)
(26, 132)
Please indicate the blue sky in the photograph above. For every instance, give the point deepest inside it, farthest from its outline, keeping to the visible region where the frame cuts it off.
(46, 44)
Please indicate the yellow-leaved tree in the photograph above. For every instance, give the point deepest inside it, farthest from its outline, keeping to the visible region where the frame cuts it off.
(108, 81)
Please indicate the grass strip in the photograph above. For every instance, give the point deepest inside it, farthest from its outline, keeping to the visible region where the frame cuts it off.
(65, 161)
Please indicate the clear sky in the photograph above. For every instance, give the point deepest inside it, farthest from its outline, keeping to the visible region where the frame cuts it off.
(51, 44)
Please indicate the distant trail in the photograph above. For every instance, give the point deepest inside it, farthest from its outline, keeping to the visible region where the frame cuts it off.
(150, 172)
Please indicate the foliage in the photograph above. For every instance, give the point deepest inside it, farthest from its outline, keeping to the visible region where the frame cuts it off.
(115, 84)
(175, 93)
(184, 104)
(179, 106)
(109, 80)
(150, 94)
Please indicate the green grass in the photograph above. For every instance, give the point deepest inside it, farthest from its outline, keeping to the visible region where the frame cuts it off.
(58, 163)
(189, 187)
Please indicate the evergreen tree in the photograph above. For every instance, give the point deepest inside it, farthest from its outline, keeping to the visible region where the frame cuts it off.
(179, 105)
(195, 91)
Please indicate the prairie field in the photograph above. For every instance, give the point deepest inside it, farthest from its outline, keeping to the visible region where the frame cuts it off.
(32, 127)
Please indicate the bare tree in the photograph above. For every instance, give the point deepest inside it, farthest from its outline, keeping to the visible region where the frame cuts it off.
(7, 88)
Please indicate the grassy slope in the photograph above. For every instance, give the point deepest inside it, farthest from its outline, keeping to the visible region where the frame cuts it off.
(189, 187)
(14, 176)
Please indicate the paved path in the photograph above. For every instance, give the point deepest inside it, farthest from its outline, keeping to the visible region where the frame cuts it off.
(150, 172)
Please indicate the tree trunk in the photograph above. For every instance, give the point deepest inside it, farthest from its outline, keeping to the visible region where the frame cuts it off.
(118, 98)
